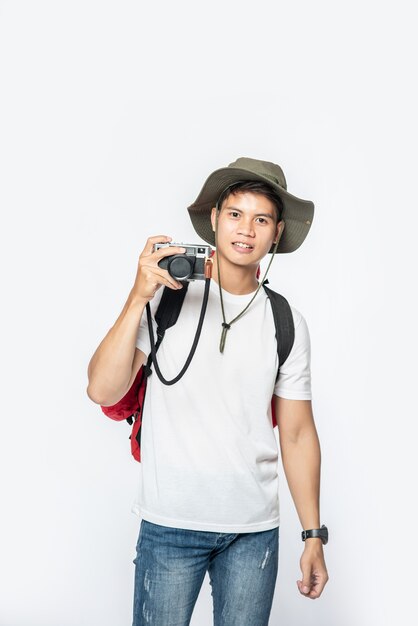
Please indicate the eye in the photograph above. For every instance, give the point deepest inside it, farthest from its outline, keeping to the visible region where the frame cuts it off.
(234, 213)
(262, 220)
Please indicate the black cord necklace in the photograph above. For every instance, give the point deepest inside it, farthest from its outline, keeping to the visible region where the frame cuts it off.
(227, 325)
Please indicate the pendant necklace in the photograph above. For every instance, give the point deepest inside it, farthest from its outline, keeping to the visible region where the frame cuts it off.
(227, 325)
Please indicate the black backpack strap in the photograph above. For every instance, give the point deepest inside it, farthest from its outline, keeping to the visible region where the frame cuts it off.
(169, 308)
(283, 321)
(167, 315)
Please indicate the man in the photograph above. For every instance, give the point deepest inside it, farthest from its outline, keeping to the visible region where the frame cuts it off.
(209, 483)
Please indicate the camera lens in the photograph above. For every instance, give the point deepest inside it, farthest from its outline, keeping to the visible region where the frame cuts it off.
(201, 250)
(180, 267)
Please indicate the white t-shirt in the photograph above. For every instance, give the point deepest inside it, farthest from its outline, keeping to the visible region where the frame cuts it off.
(209, 455)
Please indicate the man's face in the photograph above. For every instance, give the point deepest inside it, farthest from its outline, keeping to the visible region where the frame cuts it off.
(247, 227)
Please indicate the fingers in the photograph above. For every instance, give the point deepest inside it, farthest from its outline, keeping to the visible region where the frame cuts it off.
(311, 589)
(162, 252)
(153, 240)
(307, 581)
(157, 277)
(149, 262)
(169, 251)
(314, 578)
(150, 276)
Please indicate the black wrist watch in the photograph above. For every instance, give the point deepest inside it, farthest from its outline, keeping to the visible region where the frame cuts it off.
(322, 533)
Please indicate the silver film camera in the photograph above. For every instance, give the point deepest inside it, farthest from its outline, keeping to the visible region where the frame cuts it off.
(187, 266)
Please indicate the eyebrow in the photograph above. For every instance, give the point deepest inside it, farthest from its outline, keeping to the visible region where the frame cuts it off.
(233, 208)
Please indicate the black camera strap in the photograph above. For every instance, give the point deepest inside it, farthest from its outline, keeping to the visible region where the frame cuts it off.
(161, 330)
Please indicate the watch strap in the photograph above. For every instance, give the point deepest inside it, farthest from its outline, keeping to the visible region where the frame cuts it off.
(322, 533)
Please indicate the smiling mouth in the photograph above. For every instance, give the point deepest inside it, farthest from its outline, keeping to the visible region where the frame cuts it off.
(243, 246)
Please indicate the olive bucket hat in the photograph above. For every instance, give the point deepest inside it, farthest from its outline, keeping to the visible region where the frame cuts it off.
(297, 213)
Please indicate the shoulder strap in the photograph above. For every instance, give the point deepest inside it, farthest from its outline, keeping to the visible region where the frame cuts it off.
(169, 308)
(283, 321)
(167, 315)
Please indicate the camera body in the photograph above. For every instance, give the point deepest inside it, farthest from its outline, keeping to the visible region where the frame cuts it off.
(187, 266)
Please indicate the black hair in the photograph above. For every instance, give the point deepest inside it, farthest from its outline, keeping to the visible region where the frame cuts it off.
(254, 186)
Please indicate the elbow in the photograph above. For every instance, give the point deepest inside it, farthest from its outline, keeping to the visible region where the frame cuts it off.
(103, 397)
(98, 396)
(94, 396)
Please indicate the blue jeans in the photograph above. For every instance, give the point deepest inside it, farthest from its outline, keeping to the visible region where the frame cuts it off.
(171, 564)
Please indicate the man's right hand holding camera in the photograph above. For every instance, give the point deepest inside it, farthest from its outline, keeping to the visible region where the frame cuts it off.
(116, 362)
(150, 276)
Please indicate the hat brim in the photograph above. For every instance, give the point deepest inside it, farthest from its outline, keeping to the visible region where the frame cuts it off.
(297, 213)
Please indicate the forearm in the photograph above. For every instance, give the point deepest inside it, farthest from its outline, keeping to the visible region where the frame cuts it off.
(301, 459)
(110, 368)
(113, 365)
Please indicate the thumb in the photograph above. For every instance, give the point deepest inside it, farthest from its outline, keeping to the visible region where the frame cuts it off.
(305, 585)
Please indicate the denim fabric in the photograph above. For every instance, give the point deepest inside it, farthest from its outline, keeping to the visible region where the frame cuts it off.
(171, 564)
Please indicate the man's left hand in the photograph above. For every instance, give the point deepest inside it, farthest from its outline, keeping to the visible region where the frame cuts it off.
(314, 571)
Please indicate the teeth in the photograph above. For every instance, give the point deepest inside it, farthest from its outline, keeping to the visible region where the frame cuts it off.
(242, 245)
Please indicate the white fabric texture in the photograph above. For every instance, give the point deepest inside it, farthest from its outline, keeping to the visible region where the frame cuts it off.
(209, 456)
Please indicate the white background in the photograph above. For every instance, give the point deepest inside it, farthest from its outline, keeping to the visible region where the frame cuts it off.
(112, 115)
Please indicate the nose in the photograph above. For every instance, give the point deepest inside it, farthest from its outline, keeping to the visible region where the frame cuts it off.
(245, 227)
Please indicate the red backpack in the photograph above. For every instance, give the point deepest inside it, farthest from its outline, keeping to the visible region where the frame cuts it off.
(130, 407)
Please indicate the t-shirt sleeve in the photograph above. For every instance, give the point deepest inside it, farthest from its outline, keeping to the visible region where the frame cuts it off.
(294, 381)
(142, 338)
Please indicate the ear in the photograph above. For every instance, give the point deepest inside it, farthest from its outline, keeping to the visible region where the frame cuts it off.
(279, 231)
(280, 227)
(213, 217)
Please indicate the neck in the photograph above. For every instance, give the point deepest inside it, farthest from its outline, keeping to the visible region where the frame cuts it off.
(235, 279)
